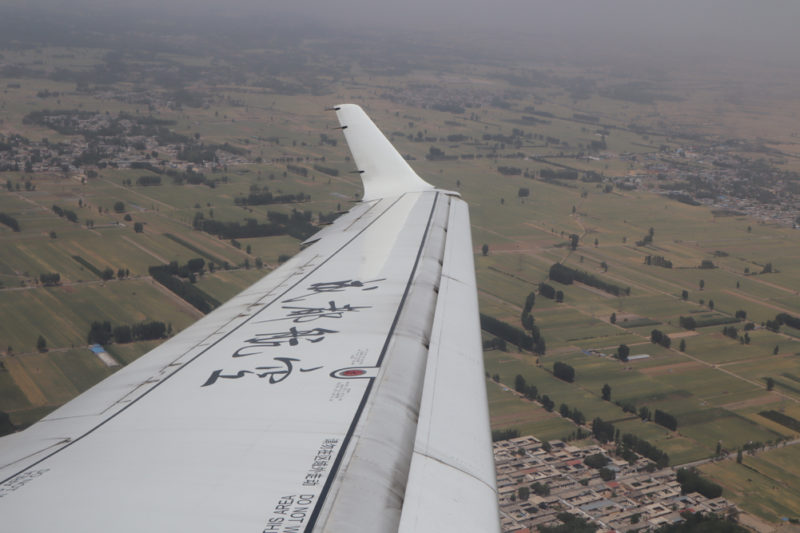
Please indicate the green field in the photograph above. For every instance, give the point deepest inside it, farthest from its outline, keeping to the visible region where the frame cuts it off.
(766, 485)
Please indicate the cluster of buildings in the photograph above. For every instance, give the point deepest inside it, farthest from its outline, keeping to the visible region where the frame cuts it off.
(716, 176)
(537, 481)
(98, 140)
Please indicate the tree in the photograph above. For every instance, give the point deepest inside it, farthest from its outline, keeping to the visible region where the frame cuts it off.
(776, 350)
(519, 383)
(682, 346)
(596, 461)
(606, 392)
(528, 321)
(138, 227)
(711, 304)
(573, 241)
(606, 474)
(119, 207)
(702, 284)
(623, 351)
(658, 337)
(485, 249)
(770, 383)
(547, 403)
(100, 333)
(739, 456)
(529, 301)
(603, 431)
(196, 264)
(50, 279)
(563, 371)
(613, 318)
(107, 274)
(41, 344)
(684, 295)
(538, 488)
(523, 493)
(122, 334)
(665, 419)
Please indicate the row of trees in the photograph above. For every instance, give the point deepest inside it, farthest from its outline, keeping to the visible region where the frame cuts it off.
(65, 213)
(9, 221)
(531, 393)
(787, 319)
(548, 291)
(691, 481)
(504, 434)
(297, 225)
(512, 334)
(529, 324)
(731, 331)
(266, 198)
(658, 337)
(102, 333)
(628, 445)
(573, 414)
(657, 260)
(521, 386)
(184, 289)
(49, 279)
(566, 275)
(148, 181)
(665, 419)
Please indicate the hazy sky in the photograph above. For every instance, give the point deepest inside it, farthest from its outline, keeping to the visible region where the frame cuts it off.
(735, 30)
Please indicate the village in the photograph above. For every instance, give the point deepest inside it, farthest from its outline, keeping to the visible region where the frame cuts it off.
(537, 481)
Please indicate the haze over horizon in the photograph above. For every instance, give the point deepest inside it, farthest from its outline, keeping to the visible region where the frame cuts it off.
(733, 35)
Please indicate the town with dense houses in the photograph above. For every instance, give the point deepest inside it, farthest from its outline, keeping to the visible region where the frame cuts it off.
(538, 481)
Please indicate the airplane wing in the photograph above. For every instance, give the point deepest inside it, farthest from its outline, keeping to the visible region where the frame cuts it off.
(344, 392)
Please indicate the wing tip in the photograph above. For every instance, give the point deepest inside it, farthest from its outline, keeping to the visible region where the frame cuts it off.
(384, 171)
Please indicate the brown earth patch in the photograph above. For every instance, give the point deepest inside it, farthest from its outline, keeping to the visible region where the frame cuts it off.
(752, 402)
(678, 368)
(25, 383)
(682, 334)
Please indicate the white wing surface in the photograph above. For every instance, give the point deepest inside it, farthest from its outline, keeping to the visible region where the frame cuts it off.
(344, 392)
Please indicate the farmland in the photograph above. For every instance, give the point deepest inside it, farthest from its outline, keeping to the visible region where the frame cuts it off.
(141, 203)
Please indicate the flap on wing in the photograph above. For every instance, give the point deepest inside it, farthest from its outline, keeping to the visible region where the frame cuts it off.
(383, 170)
(451, 484)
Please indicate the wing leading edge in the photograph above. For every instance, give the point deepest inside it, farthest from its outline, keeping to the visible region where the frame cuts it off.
(342, 392)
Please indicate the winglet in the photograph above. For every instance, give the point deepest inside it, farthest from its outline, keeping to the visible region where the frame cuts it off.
(383, 170)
